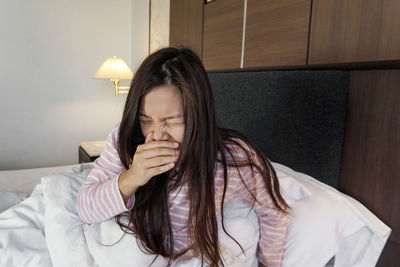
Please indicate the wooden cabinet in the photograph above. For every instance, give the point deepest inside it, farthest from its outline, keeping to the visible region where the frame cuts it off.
(222, 34)
(90, 151)
(354, 31)
(186, 24)
(234, 34)
(276, 32)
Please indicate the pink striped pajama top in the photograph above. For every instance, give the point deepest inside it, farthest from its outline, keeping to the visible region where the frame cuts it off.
(100, 199)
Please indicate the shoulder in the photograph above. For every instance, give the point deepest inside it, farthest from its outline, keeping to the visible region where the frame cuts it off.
(112, 138)
(242, 160)
(109, 157)
(115, 129)
(238, 150)
(237, 154)
(240, 173)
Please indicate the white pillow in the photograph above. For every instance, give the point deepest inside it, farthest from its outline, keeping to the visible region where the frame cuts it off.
(290, 188)
(331, 224)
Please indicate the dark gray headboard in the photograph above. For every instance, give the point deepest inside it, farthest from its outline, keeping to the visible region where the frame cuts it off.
(297, 118)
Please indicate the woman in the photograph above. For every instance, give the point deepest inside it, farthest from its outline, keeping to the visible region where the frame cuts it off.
(170, 168)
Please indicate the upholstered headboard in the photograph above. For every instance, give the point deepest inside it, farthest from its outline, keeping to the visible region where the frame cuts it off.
(297, 118)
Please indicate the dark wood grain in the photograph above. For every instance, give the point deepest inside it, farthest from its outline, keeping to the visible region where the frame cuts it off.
(371, 154)
(389, 256)
(222, 35)
(276, 32)
(354, 31)
(84, 156)
(186, 24)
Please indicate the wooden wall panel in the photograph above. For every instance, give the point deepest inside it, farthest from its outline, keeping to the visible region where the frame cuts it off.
(354, 31)
(389, 256)
(186, 24)
(276, 32)
(222, 36)
(371, 155)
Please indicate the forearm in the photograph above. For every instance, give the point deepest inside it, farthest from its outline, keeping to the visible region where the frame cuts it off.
(100, 201)
(126, 187)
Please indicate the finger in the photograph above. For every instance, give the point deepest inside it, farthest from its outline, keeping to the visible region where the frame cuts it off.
(149, 137)
(158, 151)
(159, 161)
(160, 169)
(155, 144)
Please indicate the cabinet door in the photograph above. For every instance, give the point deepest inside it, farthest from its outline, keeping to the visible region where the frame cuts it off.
(354, 31)
(222, 35)
(276, 32)
(186, 24)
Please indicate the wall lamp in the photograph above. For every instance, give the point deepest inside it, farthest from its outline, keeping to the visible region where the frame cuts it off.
(115, 69)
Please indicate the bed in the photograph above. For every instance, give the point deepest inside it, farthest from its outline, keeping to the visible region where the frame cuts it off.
(24, 180)
(297, 118)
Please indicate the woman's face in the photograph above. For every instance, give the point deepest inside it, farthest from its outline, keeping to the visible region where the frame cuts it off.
(161, 111)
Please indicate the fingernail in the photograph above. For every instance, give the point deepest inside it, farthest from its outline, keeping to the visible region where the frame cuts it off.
(175, 144)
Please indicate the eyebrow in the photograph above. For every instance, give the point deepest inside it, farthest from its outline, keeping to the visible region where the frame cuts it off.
(166, 118)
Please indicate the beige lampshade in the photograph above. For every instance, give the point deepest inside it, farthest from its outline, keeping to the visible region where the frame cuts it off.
(115, 69)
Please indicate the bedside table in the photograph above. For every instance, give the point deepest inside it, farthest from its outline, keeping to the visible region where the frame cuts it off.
(89, 151)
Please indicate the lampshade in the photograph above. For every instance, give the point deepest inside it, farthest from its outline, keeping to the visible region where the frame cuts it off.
(115, 69)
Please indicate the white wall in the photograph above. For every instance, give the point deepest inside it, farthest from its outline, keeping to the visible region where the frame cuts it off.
(140, 30)
(49, 51)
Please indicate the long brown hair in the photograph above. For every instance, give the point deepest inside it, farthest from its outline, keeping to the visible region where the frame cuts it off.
(149, 219)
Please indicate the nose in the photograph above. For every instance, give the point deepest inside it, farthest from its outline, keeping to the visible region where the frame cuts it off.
(159, 133)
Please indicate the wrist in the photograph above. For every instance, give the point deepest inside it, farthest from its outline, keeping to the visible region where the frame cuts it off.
(125, 186)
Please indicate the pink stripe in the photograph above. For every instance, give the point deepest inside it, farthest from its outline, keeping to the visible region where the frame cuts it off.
(84, 204)
(103, 201)
(176, 219)
(81, 212)
(115, 189)
(98, 210)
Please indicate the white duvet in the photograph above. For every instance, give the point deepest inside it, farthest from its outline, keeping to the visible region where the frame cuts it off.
(45, 230)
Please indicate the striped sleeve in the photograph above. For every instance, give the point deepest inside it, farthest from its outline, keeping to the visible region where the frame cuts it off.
(273, 223)
(99, 197)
